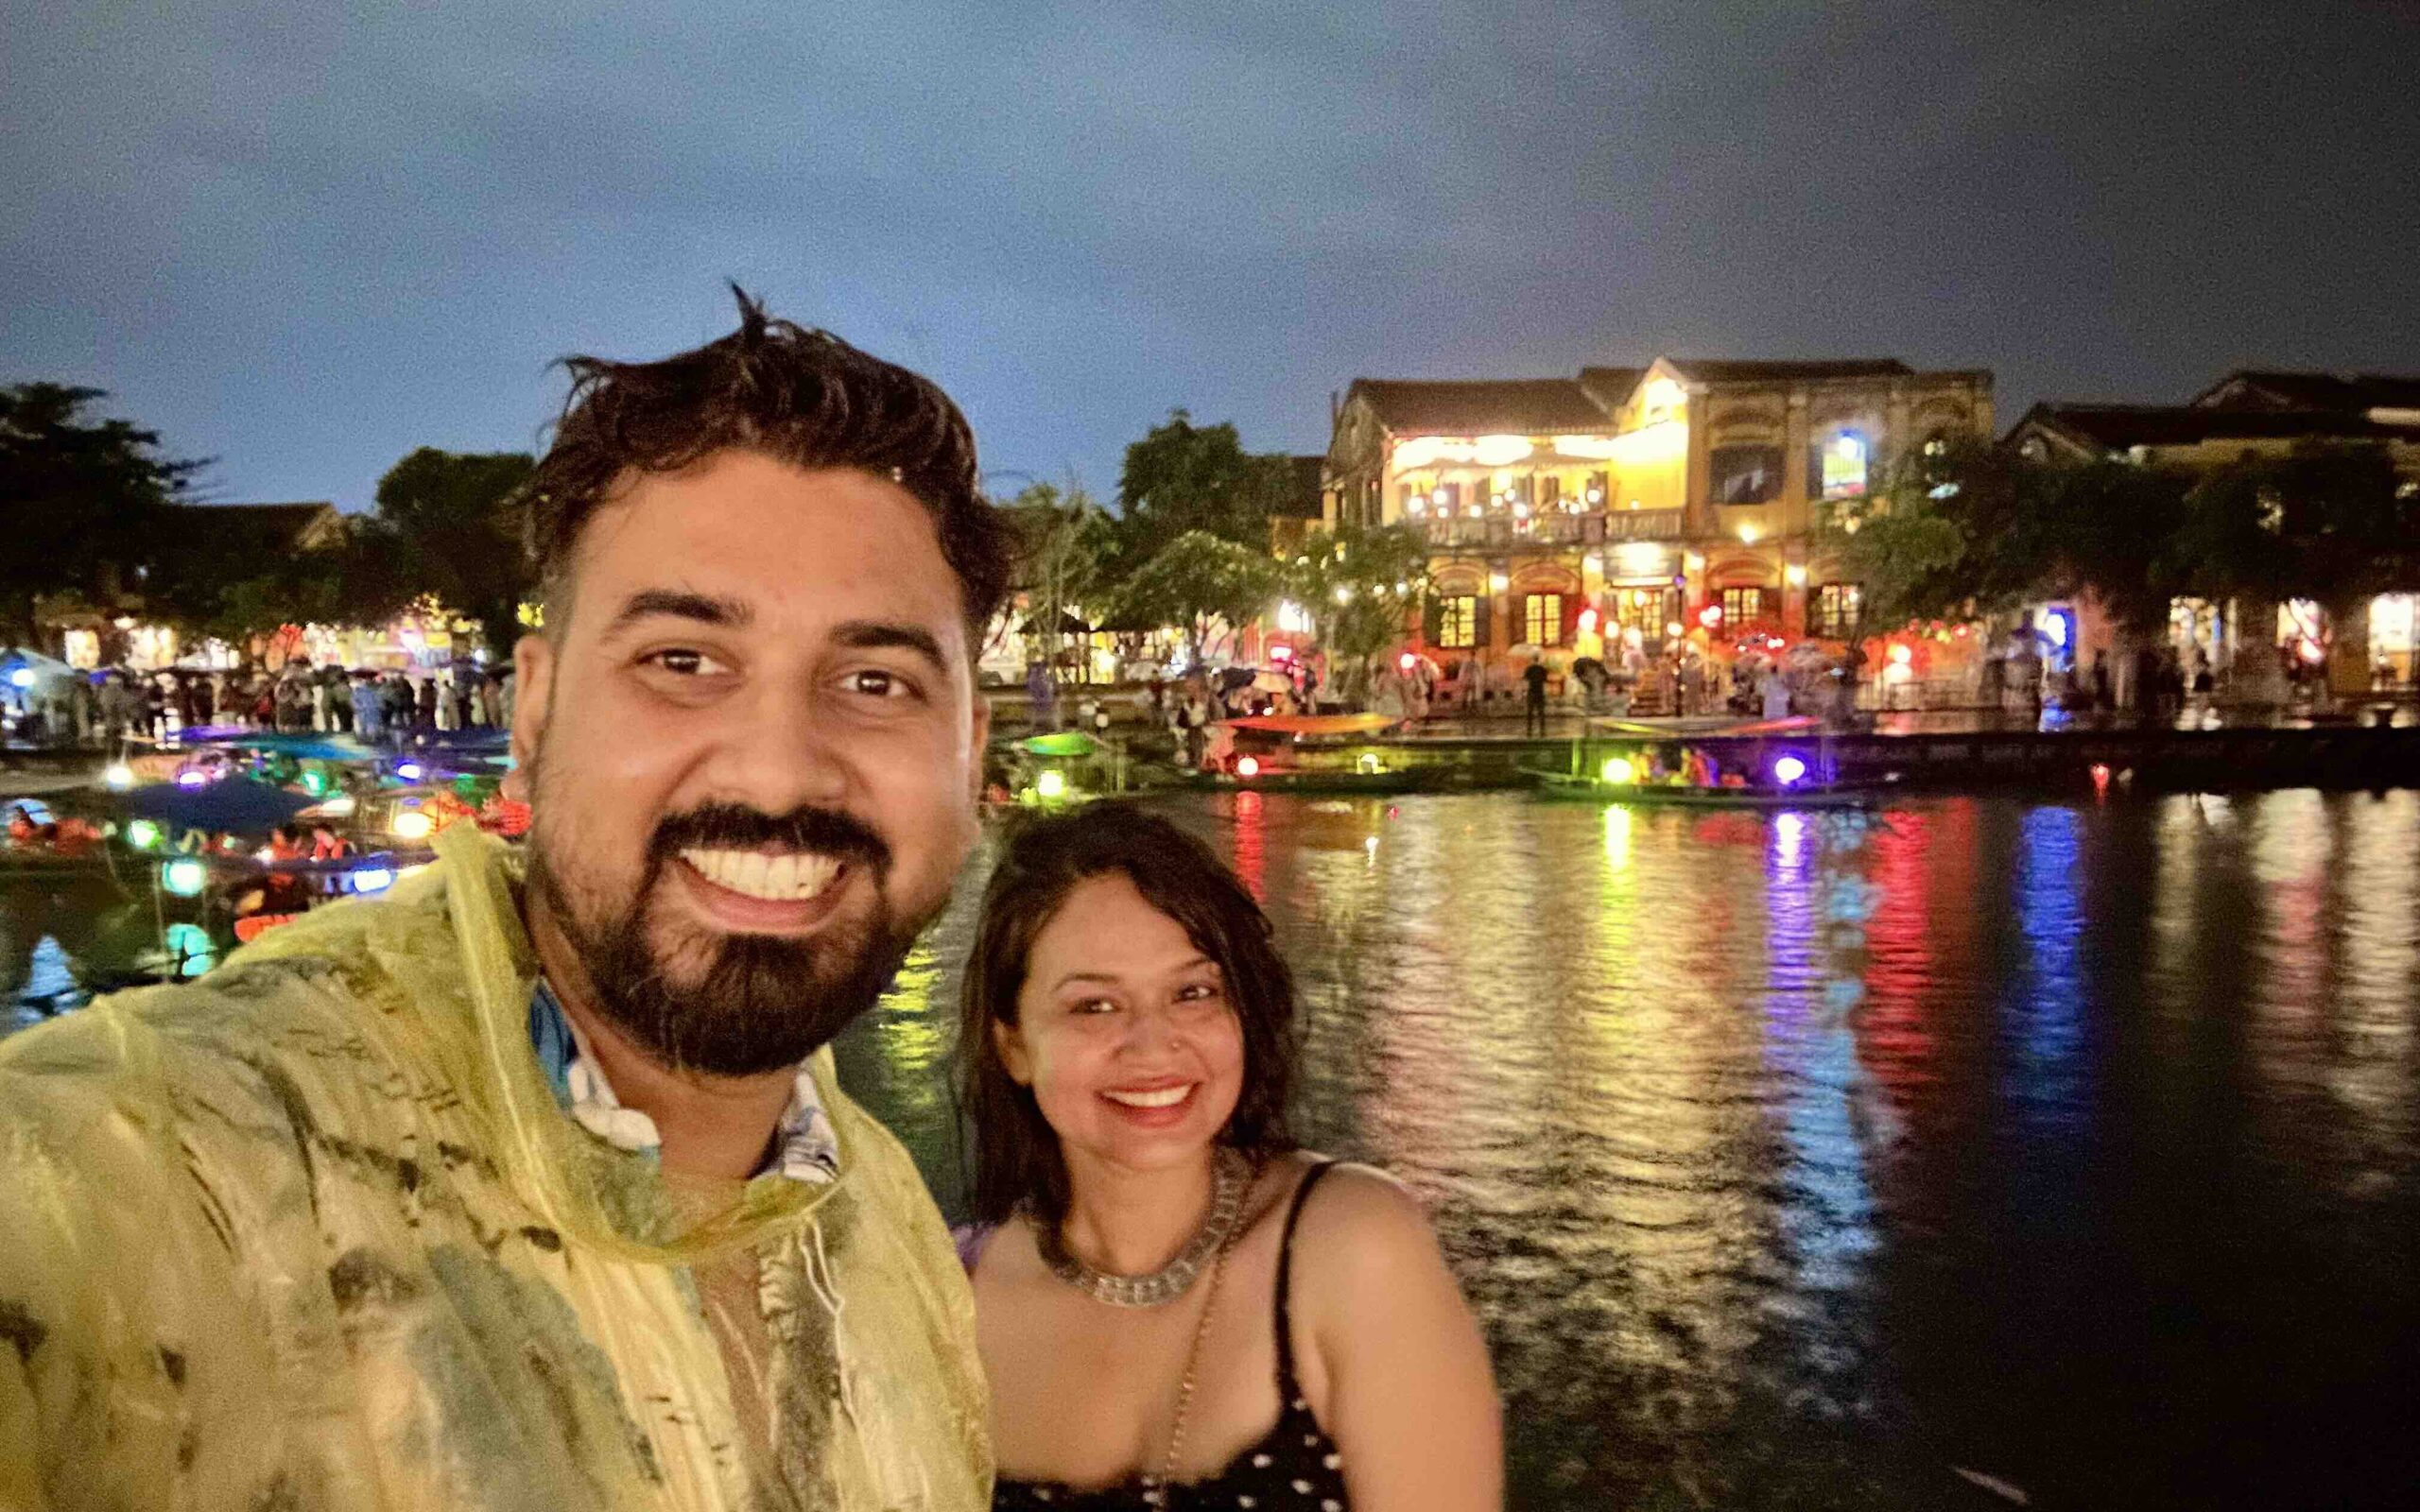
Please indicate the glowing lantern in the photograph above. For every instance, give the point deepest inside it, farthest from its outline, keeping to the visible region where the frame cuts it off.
(1902, 655)
(1711, 617)
(117, 777)
(143, 834)
(1788, 771)
(411, 824)
(183, 877)
(1619, 770)
(1367, 764)
(1281, 653)
(1051, 784)
(373, 879)
(409, 771)
(191, 778)
(1587, 622)
(1247, 766)
(1406, 662)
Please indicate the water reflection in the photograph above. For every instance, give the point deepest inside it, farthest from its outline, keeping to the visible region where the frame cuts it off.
(1796, 1159)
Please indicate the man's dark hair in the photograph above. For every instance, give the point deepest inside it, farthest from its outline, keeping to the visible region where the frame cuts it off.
(801, 396)
(1017, 1159)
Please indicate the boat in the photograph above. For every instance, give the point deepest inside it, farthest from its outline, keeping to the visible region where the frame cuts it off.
(1565, 786)
(1624, 761)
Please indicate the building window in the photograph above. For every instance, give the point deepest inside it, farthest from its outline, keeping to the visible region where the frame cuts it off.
(1838, 609)
(1747, 474)
(1458, 622)
(1449, 499)
(1835, 466)
(1550, 491)
(1747, 606)
(1599, 490)
(1542, 619)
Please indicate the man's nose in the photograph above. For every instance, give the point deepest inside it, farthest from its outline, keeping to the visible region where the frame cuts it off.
(780, 752)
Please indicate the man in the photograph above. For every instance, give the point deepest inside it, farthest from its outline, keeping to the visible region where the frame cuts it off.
(529, 1186)
(1533, 708)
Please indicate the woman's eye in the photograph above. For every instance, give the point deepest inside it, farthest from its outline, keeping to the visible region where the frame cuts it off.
(1198, 992)
(1090, 1008)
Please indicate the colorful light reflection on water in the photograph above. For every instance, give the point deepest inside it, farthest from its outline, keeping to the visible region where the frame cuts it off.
(1800, 1160)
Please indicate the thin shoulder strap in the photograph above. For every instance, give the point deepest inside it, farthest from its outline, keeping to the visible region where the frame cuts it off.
(1285, 1278)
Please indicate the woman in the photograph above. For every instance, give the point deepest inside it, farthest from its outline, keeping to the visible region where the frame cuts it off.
(1176, 1307)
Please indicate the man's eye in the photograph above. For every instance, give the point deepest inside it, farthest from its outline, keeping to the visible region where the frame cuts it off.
(684, 663)
(877, 684)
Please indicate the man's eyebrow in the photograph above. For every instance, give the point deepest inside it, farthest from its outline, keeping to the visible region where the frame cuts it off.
(679, 604)
(875, 635)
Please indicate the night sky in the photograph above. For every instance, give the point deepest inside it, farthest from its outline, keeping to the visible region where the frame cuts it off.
(305, 245)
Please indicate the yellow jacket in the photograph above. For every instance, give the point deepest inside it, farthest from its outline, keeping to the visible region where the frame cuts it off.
(312, 1232)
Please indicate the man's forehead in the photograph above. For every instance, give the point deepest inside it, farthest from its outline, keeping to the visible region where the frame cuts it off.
(774, 541)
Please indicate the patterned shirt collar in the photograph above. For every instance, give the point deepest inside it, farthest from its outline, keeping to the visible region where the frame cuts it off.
(804, 1145)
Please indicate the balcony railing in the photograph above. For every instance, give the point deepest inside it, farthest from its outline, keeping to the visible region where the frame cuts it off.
(1551, 531)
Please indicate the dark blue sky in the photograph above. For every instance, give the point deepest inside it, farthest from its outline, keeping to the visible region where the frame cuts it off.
(306, 244)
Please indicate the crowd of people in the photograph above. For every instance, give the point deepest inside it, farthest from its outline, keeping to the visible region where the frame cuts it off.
(107, 707)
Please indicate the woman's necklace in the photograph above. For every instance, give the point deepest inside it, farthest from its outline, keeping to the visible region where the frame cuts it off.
(1230, 1181)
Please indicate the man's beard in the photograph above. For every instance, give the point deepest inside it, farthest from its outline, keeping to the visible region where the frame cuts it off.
(735, 1004)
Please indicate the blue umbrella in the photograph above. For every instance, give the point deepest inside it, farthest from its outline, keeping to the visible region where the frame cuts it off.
(233, 805)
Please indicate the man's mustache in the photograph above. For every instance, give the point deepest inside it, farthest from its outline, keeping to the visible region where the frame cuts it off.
(736, 826)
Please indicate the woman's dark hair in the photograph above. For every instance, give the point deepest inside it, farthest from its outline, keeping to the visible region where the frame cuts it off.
(805, 397)
(1017, 1159)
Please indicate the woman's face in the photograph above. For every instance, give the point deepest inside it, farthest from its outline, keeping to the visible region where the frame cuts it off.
(1125, 1032)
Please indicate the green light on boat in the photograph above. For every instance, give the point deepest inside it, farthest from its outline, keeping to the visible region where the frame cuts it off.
(1051, 784)
(142, 834)
(1619, 770)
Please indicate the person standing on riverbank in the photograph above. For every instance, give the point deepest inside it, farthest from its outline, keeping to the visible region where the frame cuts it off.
(532, 1185)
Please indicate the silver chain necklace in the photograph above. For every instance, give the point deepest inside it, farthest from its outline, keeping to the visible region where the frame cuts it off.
(1230, 1181)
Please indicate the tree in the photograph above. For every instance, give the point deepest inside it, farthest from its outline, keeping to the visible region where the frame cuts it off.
(1358, 584)
(1184, 476)
(2331, 521)
(82, 501)
(1976, 530)
(456, 520)
(1066, 544)
(1198, 581)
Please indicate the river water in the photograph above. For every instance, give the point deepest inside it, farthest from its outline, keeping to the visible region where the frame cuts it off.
(1860, 1159)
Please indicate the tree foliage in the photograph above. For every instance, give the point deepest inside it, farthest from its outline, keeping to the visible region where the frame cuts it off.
(81, 500)
(1199, 582)
(1184, 476)
(1360, 584)
(452, 523)
(1067, 544)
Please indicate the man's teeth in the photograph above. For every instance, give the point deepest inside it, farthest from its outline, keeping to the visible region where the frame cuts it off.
(1164, 1098)
(791, 877)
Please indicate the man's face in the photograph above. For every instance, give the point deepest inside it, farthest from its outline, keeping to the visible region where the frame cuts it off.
(752, 754)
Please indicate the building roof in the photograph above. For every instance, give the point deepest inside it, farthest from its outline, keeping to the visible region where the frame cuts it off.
(2340, 392)
(2117, 427)
(1732, 370)
(1501, 406)
(1610, 387)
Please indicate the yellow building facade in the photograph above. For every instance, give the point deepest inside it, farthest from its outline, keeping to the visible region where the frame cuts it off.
(1653, 503)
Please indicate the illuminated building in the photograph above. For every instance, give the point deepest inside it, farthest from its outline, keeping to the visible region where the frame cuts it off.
(2254, 413)
(1681, 492)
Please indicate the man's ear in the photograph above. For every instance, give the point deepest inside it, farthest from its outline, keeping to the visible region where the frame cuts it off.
(1010, 1041)
(980, 734)
(533, 668)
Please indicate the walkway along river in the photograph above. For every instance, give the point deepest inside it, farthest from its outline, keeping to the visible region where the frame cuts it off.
(1807, 1160)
